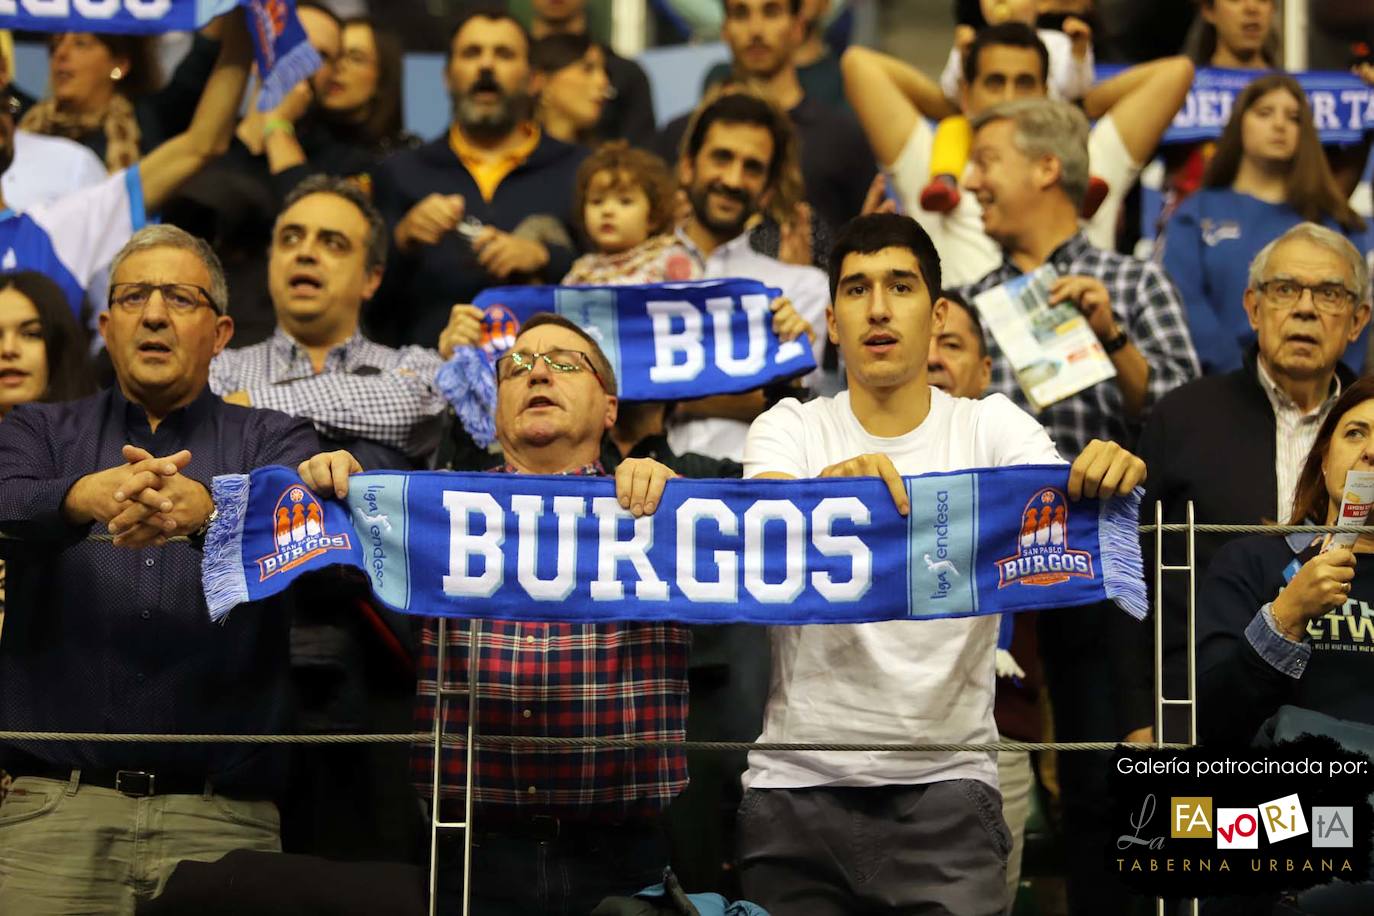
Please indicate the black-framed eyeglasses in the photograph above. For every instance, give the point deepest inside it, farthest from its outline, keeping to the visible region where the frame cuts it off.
(177, 297)
(521, 362)
(1284, 294)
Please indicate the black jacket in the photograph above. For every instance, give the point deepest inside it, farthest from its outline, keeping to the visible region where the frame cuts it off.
(420, 288)
(1210, 441)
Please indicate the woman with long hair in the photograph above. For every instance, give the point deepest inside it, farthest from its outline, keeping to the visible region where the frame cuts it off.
(106, 93)
(1280, 621)
(363, 101)
(1268, 174)
(42, 349)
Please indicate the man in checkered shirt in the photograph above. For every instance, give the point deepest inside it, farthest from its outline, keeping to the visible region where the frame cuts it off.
(1028, 169)
(327, 255)
(556, 830)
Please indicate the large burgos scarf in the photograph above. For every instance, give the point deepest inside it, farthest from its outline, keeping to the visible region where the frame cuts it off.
(283, 54)
(665, 341)
(522, 547)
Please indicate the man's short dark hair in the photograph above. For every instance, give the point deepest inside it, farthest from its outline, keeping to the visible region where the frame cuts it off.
(958, 301)
(351, 192)
(741, 108)
(876, 231)
(495, 11)
(599, 360)
(1010, 35)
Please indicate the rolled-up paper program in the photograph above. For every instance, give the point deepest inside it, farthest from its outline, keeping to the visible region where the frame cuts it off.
(1356, 500)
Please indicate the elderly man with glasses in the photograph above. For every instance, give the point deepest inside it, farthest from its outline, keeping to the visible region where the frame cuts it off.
(556, 830)
(100, 638)
(1307, 299)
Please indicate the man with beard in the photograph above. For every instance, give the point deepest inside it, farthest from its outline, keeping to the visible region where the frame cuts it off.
(837, 164)
(487, 203)
(629, 112)
(736, 149)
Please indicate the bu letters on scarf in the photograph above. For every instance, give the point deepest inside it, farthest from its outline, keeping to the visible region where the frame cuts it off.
(525, 547)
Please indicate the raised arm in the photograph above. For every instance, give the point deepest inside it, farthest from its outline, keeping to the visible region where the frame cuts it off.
(888, 96)
(164, 169)
(1142, 102)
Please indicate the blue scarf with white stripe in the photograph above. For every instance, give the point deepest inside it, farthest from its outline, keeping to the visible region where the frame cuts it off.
(665, 341)
(522, 547)
(283, 54)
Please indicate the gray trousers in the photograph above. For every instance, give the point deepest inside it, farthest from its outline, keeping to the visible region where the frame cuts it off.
(926, 849)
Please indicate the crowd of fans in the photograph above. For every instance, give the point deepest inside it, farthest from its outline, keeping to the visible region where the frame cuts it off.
(312, 270)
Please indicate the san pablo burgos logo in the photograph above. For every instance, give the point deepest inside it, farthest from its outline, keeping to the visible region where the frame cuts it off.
(1193, 818)
(298, 532)
(1043, 555)
(500, 327)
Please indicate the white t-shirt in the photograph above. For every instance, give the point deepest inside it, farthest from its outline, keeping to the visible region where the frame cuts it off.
(966, 252)
(807, 287)
(897, 682)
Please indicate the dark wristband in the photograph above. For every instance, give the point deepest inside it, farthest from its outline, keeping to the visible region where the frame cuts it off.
(1116, 343)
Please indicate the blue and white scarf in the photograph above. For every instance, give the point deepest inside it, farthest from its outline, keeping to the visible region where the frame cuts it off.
(665, 341)
(279, 43)
(522, 547)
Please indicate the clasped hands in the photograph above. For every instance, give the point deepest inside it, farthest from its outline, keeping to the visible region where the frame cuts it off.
(142, 502)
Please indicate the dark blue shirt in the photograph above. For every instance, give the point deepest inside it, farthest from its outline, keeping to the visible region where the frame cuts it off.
(105, 639)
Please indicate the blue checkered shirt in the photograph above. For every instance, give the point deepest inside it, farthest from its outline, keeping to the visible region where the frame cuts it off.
(1147, 308)
(365, 391)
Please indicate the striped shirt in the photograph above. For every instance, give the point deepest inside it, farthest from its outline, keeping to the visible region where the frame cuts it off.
(364, 391)
(1294, 433)
(561, 680)
(1145, 305)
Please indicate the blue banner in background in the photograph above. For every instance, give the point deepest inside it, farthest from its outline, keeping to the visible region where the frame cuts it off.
(523, 547)
(1342, 103)
(668, 341)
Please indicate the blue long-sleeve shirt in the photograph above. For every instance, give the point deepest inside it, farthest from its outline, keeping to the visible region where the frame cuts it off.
(1207, 247)
(110, 639)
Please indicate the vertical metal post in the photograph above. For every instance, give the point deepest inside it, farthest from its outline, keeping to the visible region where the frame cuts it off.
(1159, 625)
(439, 705)
(436, 821)
(1295, 35)
(474, 664)
(1191, 648)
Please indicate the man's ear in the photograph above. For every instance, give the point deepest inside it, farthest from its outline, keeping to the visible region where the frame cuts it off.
(1252, 305)
(1048, 171)
(832, 330)
(1361, 319)
(224, 332)
(939, 311)
(536, 82)
(612, 410)
(373, 281)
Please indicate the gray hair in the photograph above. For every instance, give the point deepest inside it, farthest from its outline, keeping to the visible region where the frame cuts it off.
(1047, 128)
(351, 192)
(168, 236)
(1326, 238)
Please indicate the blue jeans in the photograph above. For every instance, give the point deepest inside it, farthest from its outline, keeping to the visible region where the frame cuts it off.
(567, 875)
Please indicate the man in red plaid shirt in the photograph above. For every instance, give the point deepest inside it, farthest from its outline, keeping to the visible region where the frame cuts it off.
(558, 829)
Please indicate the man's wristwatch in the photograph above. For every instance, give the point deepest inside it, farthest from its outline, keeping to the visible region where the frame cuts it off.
(1116, 343)
(197, 537)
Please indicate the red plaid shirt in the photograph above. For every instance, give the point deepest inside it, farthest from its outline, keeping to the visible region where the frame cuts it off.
(622, 680)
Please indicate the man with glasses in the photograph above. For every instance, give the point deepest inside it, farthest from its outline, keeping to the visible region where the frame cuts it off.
(104, 637)
(1307, 299)
(325, 261)
(73, 238)
(558, 830)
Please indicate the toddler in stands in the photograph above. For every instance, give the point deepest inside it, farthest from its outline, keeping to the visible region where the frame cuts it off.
(624, 201)
(1070, 73)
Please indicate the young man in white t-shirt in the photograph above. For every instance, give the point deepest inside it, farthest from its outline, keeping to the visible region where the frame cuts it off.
(823, 833)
